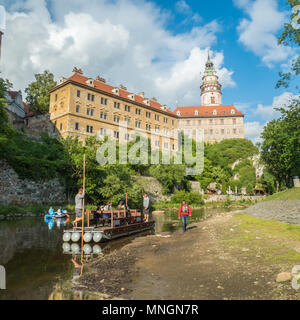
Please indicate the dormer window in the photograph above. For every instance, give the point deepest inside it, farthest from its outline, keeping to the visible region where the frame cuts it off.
(215, 112)
(131, 96)
(147, 102)
(90, 82)
(196, 112)
(115, 91)
(232, 111)
(178, 113)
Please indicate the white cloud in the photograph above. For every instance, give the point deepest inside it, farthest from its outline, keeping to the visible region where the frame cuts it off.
(125, 41)
(253, 131)
(182, 7)
(264, 113)
(258, 32)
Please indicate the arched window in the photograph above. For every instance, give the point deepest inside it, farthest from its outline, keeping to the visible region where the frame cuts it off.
(178, 113)
(215, 112)
(232, 111)
(196, 112)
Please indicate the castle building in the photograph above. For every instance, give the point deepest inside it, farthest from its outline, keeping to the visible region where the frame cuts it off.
(217, 121)
(82, 107)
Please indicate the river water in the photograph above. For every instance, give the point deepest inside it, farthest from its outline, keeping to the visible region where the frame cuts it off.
(31, 252)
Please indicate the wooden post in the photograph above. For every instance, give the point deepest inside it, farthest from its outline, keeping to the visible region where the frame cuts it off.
(82, 221)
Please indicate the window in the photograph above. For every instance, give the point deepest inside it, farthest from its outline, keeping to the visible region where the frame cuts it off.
(166, 132)
(103, 115)
(210, 121)
(138, 111)
(234, 131)
(157, 144)
(78, 108)
(148, 127)
(76, 125)
(211, 131)
(89, 129)
(91, 97)
(78, 93)
(173, 122)
(178, 113)
(199, 122)
(128, 122)
(173, 146)
(156, 117)
(127, 108)
(55, 97)
(104, 101)
(222, 121)
(215, 112)
(222, 131)
(232, 111)
(196, 112)
(148, 114)
(61, 126)
(116, 134)
(116, 119)
(117, 105)
(127, 136)
(138, 124)
(157, 129)
(165, 120)
(102, 131)
(234, 121)
(90, 112)
(166, 145)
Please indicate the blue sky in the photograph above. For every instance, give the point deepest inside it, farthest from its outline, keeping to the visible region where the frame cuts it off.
(159, 47)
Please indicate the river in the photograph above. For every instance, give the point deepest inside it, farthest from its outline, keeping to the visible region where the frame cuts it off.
(32, 253)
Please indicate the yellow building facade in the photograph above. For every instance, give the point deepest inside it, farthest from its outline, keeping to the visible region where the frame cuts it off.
(82, 107)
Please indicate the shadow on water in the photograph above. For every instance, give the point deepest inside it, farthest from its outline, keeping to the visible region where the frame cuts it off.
(37, 261)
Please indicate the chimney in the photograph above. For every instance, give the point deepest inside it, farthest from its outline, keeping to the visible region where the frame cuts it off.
(101, 79)
(77, 70)
(122, 87)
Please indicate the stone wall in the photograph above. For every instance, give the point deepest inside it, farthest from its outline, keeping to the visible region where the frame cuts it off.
(222, 198)
(15, 191)
(35, 125)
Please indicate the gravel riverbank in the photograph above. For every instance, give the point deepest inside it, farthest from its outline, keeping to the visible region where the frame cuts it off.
(281, 210)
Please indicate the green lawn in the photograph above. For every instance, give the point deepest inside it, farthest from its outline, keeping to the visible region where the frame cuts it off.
(290, 194)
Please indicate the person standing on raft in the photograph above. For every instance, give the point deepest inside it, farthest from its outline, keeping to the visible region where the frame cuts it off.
(183, 213)
(78, 206)
(146, 205)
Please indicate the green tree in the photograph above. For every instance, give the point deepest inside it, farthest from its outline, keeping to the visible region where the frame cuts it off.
(280, 149)
(290, 37)
(38, 95)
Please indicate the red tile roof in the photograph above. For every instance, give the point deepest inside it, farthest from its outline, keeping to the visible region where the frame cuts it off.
(28, 113)
(207, 111)
(104, 87)
(13, 94)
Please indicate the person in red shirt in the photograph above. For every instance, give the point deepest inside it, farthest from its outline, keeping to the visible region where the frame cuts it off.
(183, 213)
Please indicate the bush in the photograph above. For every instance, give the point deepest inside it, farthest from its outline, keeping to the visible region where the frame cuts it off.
(190, 197)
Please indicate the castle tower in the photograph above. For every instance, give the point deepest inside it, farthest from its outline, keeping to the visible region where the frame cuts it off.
(211, 94)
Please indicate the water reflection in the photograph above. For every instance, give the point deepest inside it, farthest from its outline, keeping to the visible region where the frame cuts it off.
(39, 265)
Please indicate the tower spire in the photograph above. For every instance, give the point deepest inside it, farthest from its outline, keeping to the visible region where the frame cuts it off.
(211, 93)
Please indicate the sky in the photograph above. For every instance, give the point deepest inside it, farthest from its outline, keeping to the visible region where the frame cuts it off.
(158, 47)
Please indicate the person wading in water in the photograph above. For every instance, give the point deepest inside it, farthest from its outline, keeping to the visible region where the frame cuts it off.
(78, 206)
(183, 213)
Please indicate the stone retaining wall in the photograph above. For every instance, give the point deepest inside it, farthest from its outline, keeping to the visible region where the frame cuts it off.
(222, 198)
(15, 191)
